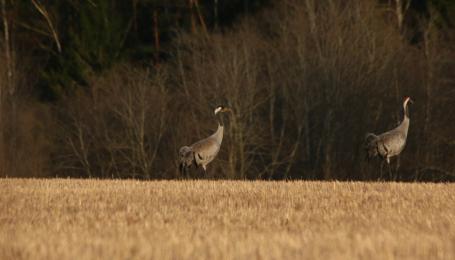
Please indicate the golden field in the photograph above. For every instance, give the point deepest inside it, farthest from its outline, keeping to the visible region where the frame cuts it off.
(113, 219)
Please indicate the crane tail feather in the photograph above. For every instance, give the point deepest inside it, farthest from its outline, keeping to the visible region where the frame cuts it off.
(371, 145)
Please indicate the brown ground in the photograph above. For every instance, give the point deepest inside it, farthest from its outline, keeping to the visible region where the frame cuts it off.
(91, 219)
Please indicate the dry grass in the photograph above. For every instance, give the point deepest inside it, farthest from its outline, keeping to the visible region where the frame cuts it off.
(91, 219)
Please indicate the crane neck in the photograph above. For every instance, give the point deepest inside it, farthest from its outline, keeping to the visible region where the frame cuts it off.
(220, 120)
(404, 126)
(220, 131)
(406, 110)
(219, 134)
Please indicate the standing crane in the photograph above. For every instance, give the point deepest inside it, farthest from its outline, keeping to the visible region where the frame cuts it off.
(391, 143)
(204, 151)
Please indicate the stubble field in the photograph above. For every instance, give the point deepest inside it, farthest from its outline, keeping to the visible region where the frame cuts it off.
(109, 219)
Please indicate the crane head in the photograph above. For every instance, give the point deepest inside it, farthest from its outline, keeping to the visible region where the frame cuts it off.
(222, 109)
(406, 100)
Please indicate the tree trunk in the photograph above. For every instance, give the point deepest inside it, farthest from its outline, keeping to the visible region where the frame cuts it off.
(5, 88)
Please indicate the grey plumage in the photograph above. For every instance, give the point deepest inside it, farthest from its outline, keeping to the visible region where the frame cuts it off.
(201, 153)
(391, 143)
(186, 158)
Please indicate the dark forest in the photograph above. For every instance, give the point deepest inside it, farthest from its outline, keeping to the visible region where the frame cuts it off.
(113, 89)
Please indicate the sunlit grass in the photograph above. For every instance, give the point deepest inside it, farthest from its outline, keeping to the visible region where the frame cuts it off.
(92, 219)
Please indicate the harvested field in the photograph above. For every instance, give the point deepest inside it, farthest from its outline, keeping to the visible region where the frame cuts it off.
(112, 219)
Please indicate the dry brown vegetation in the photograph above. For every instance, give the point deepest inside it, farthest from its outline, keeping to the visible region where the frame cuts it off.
(93, 219)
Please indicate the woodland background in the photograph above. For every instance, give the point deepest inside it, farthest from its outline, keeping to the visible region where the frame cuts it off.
(113, 88)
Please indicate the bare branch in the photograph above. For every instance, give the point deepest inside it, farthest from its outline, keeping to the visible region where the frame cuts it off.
(42, 10)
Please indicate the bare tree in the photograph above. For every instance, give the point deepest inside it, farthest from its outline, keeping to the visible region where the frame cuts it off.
(117, 128)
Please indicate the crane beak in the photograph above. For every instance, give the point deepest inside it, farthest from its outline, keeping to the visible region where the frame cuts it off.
(222, 110)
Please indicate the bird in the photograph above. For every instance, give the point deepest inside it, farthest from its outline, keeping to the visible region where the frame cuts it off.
(201, 153)
(390, 143)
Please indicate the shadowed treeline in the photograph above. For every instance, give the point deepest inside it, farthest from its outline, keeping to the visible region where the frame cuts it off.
(306, 81)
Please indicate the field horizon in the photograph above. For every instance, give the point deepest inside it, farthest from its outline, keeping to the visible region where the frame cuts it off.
(206, 219)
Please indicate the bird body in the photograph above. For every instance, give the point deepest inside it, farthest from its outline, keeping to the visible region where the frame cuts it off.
(391, 143)
(201, 153)
(207, 149)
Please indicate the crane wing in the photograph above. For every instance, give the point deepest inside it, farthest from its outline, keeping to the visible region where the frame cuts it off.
(205, 150)
(392, 143)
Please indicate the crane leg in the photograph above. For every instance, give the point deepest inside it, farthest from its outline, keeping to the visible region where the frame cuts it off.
(205, 170)
(185, 171)
(390, 171)
(397, 167)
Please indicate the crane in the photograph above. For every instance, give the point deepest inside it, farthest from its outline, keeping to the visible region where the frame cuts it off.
(390, 143)
(201, 153)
